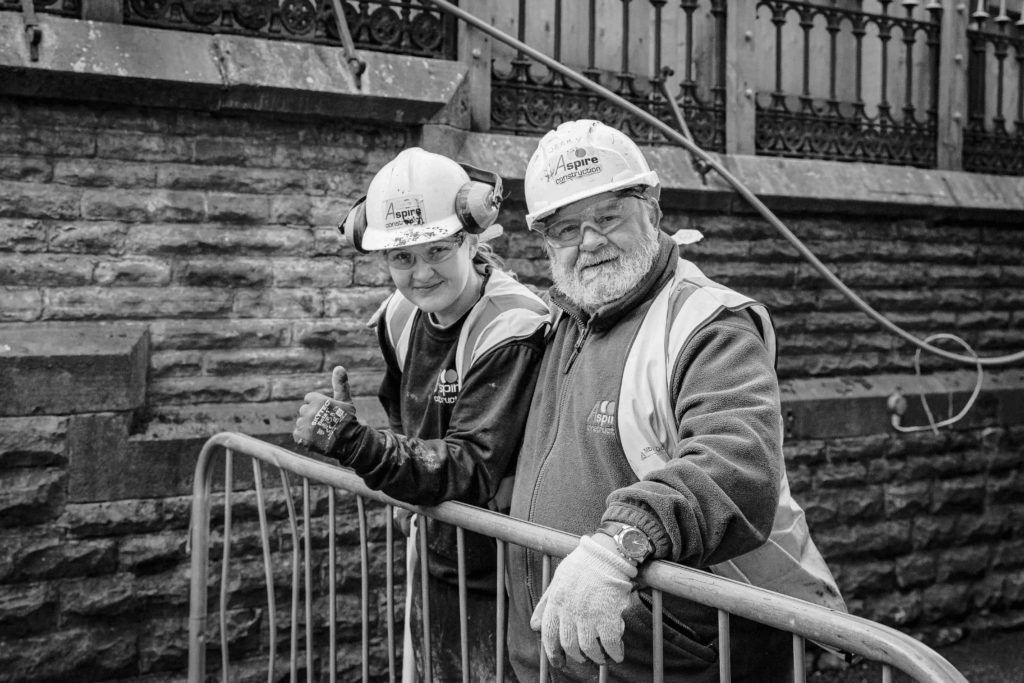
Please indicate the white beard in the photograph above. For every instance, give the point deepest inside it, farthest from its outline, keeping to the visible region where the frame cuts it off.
(592, 288)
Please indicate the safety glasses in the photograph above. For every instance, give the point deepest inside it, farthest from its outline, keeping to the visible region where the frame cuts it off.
(565, 228)
(432, 253)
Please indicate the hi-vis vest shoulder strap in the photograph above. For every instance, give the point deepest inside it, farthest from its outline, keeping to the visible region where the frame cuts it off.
(507, 310)
(788, 562)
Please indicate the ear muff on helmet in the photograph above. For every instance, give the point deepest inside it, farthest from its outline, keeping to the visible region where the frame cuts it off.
(477, 204)
(478, 201)
(354, 225)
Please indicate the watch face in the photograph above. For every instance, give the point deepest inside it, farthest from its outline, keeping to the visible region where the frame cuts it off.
(634, 543)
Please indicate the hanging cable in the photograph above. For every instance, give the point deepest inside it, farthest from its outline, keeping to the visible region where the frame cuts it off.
(736, 184)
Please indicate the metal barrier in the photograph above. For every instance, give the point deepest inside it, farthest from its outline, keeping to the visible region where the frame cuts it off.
(895, 651)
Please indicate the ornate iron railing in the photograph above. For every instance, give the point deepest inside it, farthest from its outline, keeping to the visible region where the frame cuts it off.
(832, 112)
(66, 8)
(643, 65)
(386, 25)
(994, 135)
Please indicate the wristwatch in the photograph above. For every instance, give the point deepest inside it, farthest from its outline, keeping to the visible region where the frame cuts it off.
(631, 543)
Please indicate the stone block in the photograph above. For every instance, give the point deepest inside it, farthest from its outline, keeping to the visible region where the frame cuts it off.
(958, 495)
(237, 208)
(371, 271)
(78, 654)
(295, 387)
(918, 569)
(208, 178)
(263, 361)
(153, 553)
(94, 237)
(907, 500)
(22, 235)
(290, 209)
(20, 304)
(327, 334)
(188, 390)
(164, 645)
(192, 240)
(27, 169)
(165, 364)
(99, 303)
(35, 441)
(27, 610)
(46, 555)
(59, 369)
(965, 562)
(329, 242)
(29, 200)
(930, 531)
(132, 271)
(218, 272)
(219, 334)
(138, 206)
(945, 601)
(878, 540)
(138, 146)
(30, 496)
(104, 173)
(317, 272)
(279, 303)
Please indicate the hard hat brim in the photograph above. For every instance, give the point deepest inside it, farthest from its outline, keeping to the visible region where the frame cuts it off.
(376, 239)
(650, 179)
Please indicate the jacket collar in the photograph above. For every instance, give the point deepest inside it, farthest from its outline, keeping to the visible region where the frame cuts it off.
(661, 271)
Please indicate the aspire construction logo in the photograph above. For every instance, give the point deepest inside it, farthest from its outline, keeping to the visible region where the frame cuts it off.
(447, 389)
(602, 418)
(572, 164)
(401, 212)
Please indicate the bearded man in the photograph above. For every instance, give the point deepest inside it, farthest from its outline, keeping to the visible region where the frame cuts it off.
(655, 432)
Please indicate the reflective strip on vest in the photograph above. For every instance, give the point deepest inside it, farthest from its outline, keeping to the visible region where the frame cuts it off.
(788, 562)
(507, 310)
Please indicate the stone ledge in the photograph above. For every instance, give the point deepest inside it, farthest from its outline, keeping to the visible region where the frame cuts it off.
(76, 368)
(105, 462)
(97, 61)
(840, 407)
(789, 185)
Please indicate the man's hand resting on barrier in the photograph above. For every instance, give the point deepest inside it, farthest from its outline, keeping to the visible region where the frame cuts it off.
(582, 608)
(320, 417)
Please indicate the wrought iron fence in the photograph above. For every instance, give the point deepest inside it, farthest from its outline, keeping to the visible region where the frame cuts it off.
(66, 8)
(400, 26)
(644, 51)
(865, 86)
(994, 135)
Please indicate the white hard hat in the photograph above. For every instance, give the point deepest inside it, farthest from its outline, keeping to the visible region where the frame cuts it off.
(580, 159)
(412, 200)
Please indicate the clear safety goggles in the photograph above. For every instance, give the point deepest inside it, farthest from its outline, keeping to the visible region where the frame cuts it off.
(565, 228)
(431, 252)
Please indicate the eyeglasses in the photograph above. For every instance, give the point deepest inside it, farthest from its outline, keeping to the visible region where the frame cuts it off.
(566, 229)
(432, 253)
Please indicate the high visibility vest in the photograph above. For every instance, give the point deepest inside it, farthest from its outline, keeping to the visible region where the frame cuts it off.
(507, 310)
(788, 562)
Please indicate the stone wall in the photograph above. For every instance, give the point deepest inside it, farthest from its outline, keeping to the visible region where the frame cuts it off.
(190, 259)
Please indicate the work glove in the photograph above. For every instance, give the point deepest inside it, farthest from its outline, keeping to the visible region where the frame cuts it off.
(583, 606)
(321, 417)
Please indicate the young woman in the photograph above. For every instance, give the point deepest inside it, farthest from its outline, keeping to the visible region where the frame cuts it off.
(462, 341)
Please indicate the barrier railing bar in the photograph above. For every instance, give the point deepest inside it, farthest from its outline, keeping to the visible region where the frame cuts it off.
(834, 629)
(545, 574)
(307, 551)
(658, 640)
(724, 647)
(460, 553)
(799, 672)
(332, 591)
(421, 529)
(364, 566)
(389, 574)
(225, 567)
(268, 568)
(293, 638)
(499, 596)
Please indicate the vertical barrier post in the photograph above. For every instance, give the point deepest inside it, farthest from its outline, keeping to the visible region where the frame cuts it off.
(952, 104)
(740, 74)
(475, 52)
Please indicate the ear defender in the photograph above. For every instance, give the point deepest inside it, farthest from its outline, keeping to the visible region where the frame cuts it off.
(355, 225)
(478, 201)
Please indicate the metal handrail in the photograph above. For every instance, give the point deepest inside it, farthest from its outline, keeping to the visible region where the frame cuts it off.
(838, 630)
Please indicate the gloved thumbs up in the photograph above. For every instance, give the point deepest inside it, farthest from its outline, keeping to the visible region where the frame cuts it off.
(339, 382)
(321, 417)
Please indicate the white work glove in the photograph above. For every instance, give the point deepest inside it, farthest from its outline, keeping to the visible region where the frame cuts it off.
(583, 606)
(321, 417)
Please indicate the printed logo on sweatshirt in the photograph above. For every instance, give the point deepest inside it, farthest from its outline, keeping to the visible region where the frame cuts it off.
(447, 389)
(602, 418)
